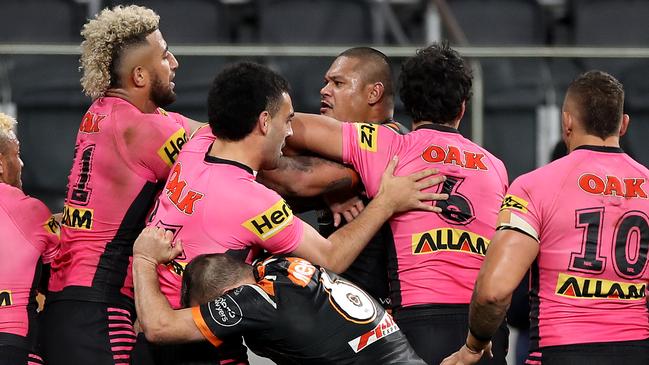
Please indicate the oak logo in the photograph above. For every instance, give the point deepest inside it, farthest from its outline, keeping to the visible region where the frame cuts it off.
(270, 222)
(171, 148)
(90, 122)
(77, 218)
(449, 239)
(175, 189)
(5, 298)
(367, 136)
(514, 202)
(591, 288)
(452, 155)
(386, 327)
(612, 186)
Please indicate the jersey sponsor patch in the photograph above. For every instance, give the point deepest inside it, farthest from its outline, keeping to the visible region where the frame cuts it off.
(271, 221)
(367, 136)
(592, 288)
(51, 226)
(449, 239)
(225, 311)
(612, 186)
(171, 148)
(386, 327)
(5, 298)
(514, 202)
(90, 122)
(77, 218)
(452, 155)
(300, 271)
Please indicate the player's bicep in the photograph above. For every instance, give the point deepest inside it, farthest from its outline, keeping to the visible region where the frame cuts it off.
(313, 247)
(509, 256)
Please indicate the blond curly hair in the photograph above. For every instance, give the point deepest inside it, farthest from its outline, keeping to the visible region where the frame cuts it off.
(7, 130)
(105, 36)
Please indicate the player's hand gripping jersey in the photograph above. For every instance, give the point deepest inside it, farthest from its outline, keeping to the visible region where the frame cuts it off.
(121, 157)
(29, 237)
(298, 313)
(214, 206)
(590, 213)
(436, 257)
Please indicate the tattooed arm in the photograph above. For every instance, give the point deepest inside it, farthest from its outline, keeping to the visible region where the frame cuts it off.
(308, 176)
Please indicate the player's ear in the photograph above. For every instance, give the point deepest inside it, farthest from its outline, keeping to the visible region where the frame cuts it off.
(377, 90)
(625, 124)
(263, 122)
(139, 76)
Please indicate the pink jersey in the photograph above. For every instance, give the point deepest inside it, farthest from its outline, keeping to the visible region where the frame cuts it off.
(121, 158)
(215, 205)
(589, 212)
(436, 257)
(29, 233)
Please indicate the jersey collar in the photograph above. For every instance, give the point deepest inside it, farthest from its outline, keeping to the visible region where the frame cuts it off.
(600, 148)
(216, 160)
(437, 127)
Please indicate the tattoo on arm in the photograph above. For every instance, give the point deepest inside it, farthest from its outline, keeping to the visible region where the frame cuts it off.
(485, 318)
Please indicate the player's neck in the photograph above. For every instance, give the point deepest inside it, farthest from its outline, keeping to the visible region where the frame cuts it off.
(144, 104)
(239, 151)
(590, 140)
(378, 116)
(418, 123)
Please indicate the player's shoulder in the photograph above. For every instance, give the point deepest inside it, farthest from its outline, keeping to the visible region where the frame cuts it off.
(396, 127)
(16, 198)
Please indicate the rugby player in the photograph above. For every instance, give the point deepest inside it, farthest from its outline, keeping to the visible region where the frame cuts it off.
(30, 238)
(436, 257)
(286, 308)
(580, 225)
(358, 87)
(125, 147)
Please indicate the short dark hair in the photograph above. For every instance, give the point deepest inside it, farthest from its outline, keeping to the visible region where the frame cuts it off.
(238, 94)
(376, 66)
(206, 276)
(434, 84)
(599, 101)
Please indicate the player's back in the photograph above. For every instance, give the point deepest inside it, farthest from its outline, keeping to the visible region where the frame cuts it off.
(29, 237)
(298, 313)
(589, 211)
(121, 156)
(436, 257)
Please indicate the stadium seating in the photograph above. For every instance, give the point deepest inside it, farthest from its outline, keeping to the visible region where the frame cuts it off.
(311, 22)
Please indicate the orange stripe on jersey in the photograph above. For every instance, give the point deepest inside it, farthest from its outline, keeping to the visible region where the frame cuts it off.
(267, 286)
(202, 326)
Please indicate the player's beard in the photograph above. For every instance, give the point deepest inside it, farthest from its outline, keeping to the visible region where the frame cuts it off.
(161, 95)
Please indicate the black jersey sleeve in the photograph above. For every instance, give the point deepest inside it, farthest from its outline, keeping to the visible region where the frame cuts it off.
(245, 309)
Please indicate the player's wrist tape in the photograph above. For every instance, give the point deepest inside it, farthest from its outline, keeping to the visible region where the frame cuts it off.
(479, 337)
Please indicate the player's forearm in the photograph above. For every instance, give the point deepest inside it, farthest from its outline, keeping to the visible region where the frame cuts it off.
(349, 241)
(486, 313)
(153, 309)
(307, 176)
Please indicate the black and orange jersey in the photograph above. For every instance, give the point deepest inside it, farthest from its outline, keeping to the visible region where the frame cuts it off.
(299, 313)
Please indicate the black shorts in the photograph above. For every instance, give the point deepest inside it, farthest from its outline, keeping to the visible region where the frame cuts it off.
(197, 353)
(86, 333)
(437, 331)
(603, 353)
(11, 355)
